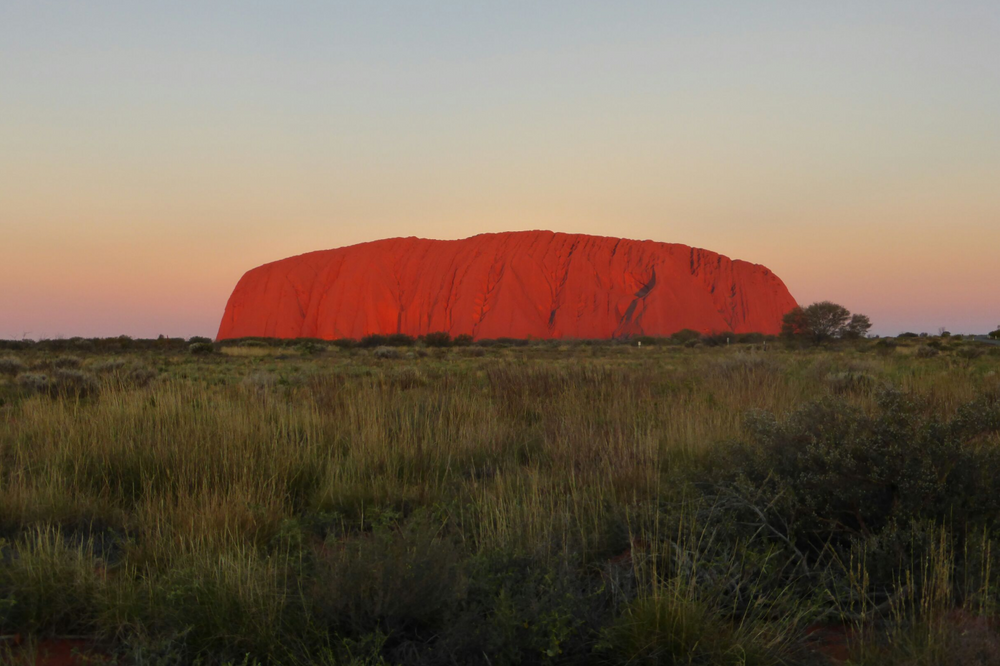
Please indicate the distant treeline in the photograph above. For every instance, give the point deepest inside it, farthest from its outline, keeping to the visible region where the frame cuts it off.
(124, 343)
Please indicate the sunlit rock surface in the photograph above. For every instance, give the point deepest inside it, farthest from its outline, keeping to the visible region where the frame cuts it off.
(522, 284)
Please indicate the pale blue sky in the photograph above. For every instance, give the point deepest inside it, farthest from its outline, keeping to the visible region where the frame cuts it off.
(152, 152)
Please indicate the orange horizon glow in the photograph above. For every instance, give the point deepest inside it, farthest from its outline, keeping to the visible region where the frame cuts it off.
(151, 156)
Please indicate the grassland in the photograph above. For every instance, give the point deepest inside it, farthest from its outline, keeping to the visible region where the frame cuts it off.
(546, 503)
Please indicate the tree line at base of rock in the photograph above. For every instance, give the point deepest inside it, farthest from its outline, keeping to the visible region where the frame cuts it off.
(824, 321)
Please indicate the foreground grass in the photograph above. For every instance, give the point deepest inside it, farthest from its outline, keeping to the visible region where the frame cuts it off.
(540, 504)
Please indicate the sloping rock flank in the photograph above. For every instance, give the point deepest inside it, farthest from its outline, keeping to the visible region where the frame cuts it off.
(535, 284)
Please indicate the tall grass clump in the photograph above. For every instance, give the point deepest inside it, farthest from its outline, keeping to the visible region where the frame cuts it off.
(504, 503)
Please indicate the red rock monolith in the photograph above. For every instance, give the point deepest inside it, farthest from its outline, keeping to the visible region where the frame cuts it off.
(536, 284)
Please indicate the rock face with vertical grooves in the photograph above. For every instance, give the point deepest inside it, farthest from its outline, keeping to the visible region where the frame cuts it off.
(522, 284)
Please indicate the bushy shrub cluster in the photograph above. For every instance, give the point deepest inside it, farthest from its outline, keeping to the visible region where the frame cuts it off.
(11, 366)
(832, 473)
(394, 340)
(61, 384)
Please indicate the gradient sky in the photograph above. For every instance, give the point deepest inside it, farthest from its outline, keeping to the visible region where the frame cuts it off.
(150, 153)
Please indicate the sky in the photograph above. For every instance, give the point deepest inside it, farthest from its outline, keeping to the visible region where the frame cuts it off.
(151, 153)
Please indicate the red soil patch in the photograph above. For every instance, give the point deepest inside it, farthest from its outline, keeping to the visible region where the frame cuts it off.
(831, 640)
(58, 651)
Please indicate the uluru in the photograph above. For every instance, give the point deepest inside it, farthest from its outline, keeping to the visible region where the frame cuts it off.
(536, 284)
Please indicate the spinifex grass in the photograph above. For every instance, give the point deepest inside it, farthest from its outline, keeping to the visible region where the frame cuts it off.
(528, 504)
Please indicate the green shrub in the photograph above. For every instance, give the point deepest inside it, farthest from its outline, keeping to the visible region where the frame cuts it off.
(685, 335)
(833, 472)
(520, 610)
(31, 382)
(67, 362)
(672, 629)
(386, 353)
(751, 368)
(203, 348)
(719, 339)
(49, 584)
(374, 340)
(439, 339)
(11, 366)
(309, 348)
(401, 580)
(199, 339)
(886, 347)
(752, 338)
(850, 382)
(971, 352)
(73, 384)
(463, 340)
(394, 340)
(927, 351)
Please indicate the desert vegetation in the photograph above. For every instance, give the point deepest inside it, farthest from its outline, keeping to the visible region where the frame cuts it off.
(720, 500)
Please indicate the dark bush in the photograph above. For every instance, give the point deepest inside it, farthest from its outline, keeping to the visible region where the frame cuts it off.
(398, 579)
(67, 362)
(833, 473)
(73, 384)
(373, 340)
(885, 347)
(751, 338)
(850, 382)
(11, 366)
(685, 335)
(31, 382)
(16, 345)
(463, 340)
(199, 339)
(309, 347)
(519, 610)
(128, 374)
(438, 339)
(971, 352)
(512, 342)
(719, 339)
(202, 348)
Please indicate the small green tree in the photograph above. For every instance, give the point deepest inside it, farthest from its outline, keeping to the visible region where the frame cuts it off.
(824, 321)
(995, 334)
(857, 327)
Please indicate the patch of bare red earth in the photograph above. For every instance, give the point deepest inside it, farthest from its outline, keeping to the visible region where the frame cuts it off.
(974, 639)
(55, 651)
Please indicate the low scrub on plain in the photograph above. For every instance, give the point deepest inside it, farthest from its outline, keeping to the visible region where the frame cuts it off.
(416, 502)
